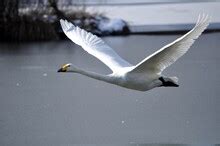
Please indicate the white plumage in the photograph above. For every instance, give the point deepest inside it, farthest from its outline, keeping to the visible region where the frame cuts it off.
(143, 76)
(94, 46)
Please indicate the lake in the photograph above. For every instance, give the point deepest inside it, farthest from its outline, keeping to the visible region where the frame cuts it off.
(39, 106)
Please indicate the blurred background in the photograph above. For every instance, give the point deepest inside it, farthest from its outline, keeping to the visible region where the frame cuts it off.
(31, 20)
(39, 106)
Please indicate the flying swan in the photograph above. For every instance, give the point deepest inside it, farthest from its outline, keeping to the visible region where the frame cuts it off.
(145, 75)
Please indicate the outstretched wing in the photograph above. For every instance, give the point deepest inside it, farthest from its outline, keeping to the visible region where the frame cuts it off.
(167, 55)
(94, 46)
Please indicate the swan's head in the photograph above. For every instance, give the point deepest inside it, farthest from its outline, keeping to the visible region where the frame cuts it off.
(65, 67)
(169, 81)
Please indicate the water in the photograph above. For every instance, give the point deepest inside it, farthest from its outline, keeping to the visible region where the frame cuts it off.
(39, 106)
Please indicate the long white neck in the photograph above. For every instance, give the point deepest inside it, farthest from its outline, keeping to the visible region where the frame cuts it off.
(93, 75)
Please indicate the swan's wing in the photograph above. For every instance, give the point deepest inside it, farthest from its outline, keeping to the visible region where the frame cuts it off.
(167, 55)
(94, 46)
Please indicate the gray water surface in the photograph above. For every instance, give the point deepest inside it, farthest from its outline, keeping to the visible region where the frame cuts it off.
(39, 106)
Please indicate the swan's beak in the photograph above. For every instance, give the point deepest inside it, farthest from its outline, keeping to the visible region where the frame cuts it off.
(60, 70)
(64, 67)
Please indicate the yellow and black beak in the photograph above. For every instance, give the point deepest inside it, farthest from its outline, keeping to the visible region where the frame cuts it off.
(61, 70)
(64, 68)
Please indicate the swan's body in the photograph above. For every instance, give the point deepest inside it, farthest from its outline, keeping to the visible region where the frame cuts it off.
(143, 76)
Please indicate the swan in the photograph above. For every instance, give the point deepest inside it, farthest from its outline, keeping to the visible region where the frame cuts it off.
(145, 75)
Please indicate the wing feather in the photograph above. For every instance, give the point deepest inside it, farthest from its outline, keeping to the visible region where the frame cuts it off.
(94, 46)
(168, 54)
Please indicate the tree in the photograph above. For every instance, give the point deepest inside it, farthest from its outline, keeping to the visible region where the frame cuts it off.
(58, 13)
(8, 19)
(2, 18)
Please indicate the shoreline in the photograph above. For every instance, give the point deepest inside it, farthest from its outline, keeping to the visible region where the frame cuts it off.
(171, 18)
(160, 14)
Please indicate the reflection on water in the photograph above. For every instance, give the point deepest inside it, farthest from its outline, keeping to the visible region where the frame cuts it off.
(38, 106)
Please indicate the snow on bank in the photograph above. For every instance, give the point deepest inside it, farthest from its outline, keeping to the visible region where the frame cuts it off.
(95, 23)
(111, 25)
(103, 26)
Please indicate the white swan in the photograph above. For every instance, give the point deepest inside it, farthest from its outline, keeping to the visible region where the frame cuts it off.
(143, 76)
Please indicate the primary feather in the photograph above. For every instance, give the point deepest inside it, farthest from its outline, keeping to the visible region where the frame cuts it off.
(94, 46)
(168, 54)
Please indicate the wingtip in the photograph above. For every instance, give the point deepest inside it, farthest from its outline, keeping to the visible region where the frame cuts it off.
(62, 21)
(203, 17)
(65, 24)
(203, 20)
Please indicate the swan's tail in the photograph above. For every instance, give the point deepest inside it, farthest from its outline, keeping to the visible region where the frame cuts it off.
(175, 79)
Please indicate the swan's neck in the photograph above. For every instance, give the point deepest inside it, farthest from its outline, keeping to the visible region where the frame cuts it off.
(93, 75)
